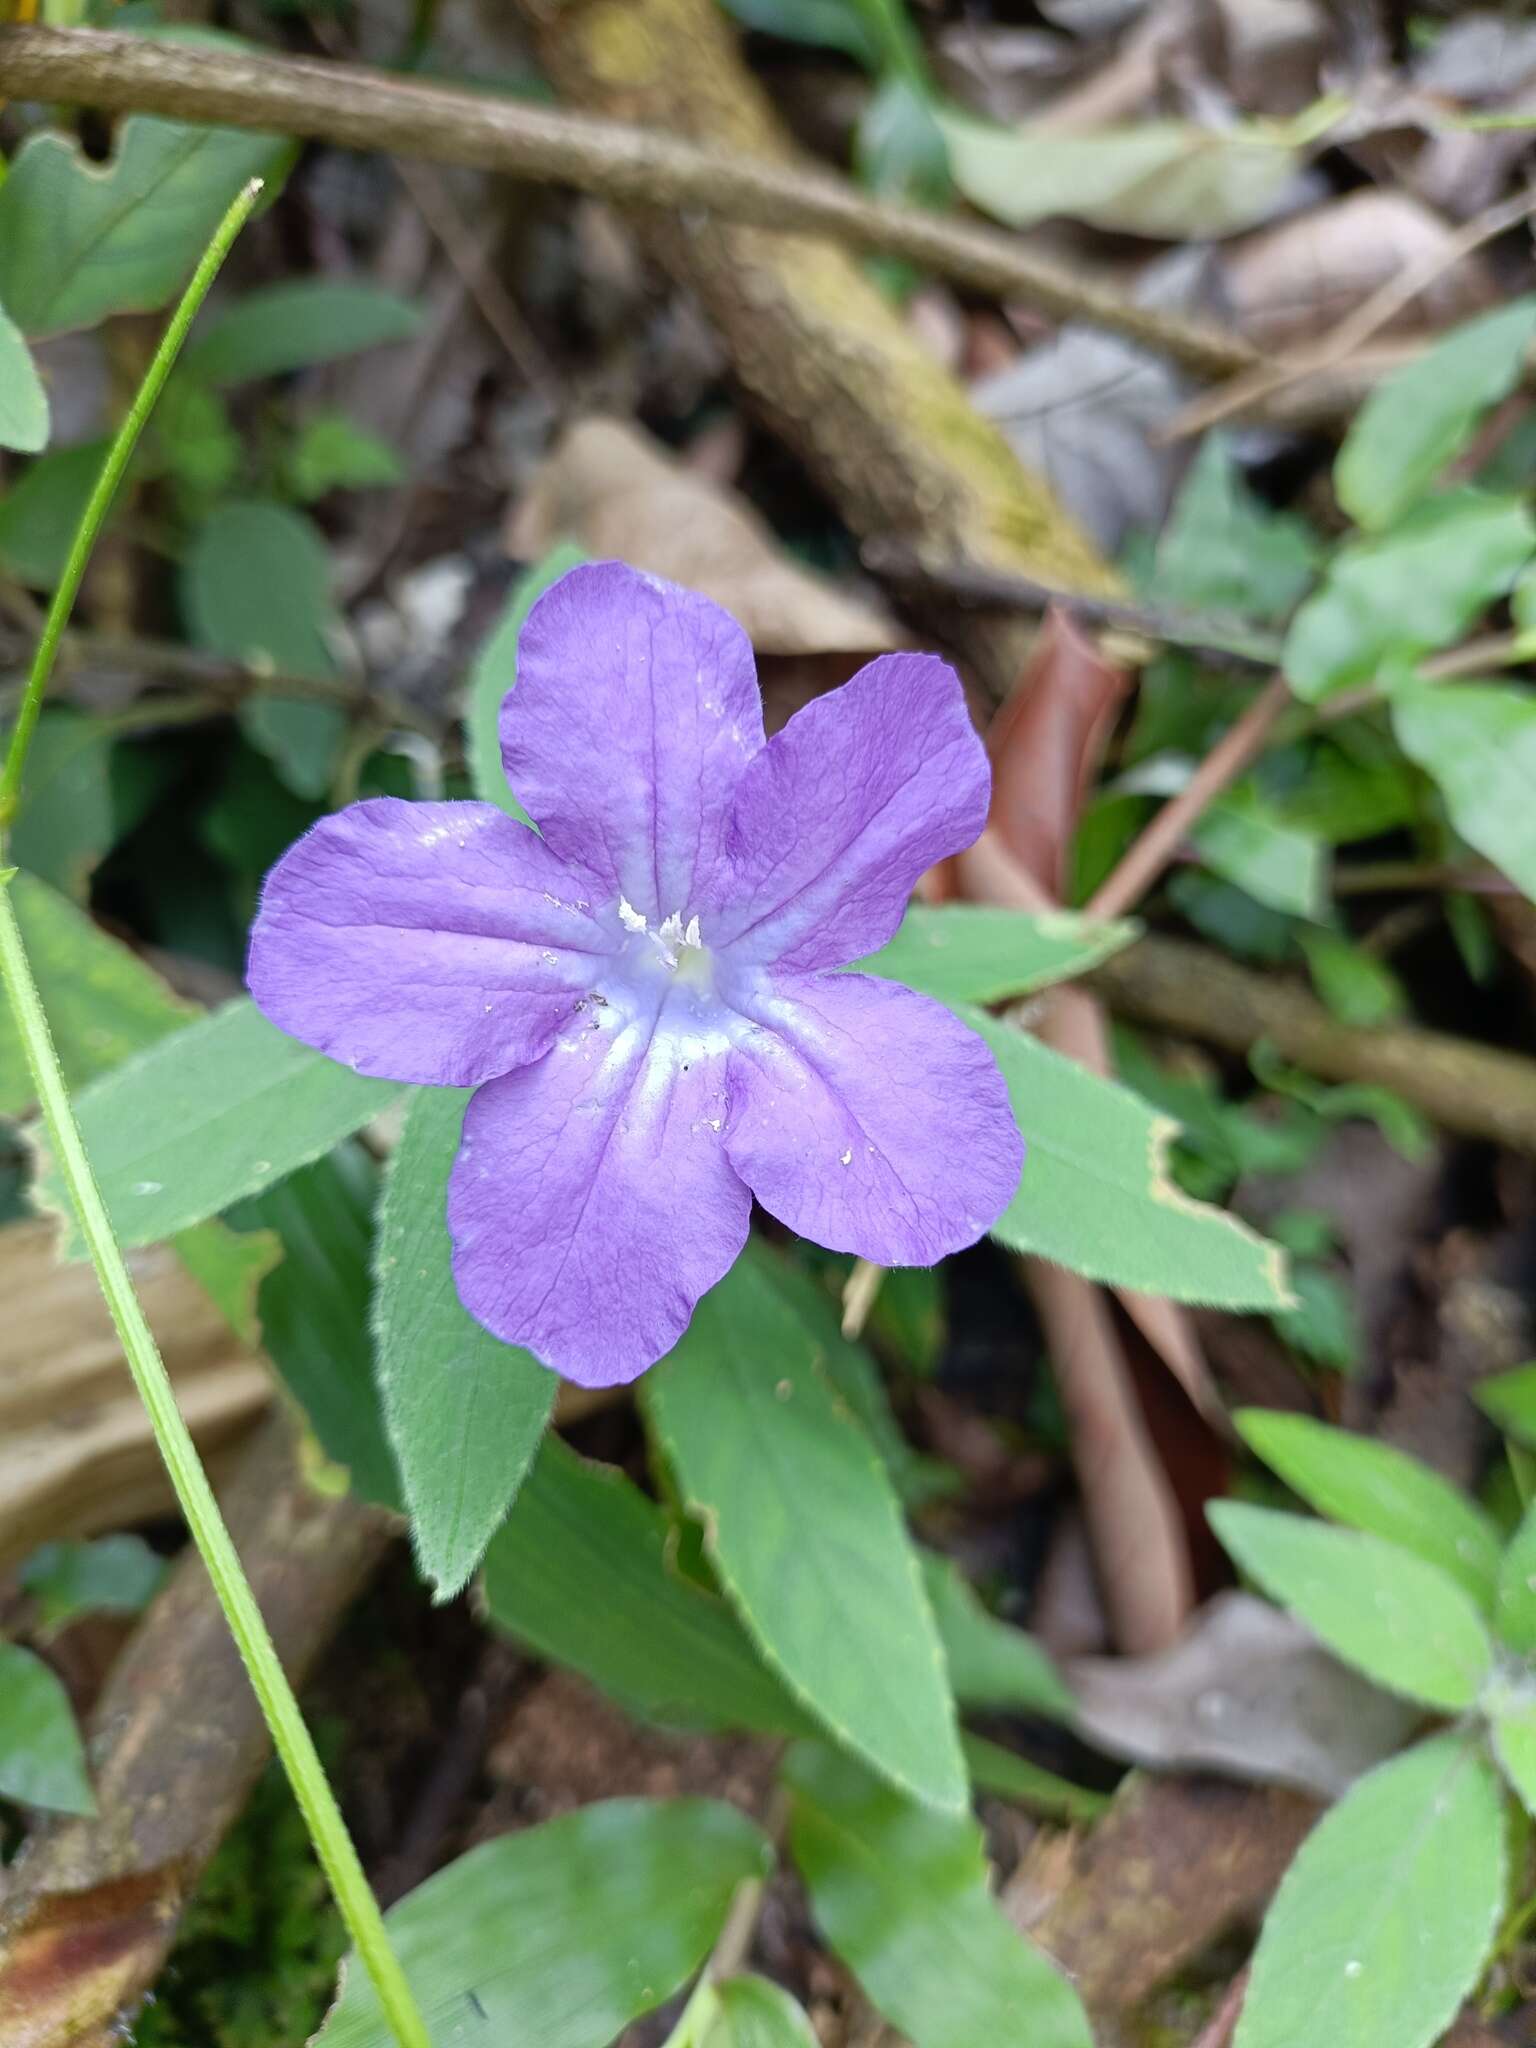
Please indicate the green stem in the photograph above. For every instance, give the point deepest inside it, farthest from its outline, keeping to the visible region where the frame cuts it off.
(119, 455)
(290, 1736)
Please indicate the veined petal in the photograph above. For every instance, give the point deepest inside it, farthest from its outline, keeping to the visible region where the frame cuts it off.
(431, 942)
(592, 1202)
(636, 710)
(840, 813)
(869, 1119)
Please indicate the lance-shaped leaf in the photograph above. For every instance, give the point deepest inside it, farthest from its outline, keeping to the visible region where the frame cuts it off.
(805, 1530)
(1096, 1194)
(1382, 1923)
(901, 1894)
(41, 1760)
(978, 953)
(220, 1110)
(288, 326)
(464, 1411)
(562, 1934)
(1404, 1623)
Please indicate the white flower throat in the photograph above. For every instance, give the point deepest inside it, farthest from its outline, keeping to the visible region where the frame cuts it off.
(679, 946)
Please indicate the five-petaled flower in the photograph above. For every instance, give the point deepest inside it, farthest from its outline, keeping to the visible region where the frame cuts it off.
(643, 991)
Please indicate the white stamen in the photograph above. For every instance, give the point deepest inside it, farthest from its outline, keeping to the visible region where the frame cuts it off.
(691, 936)
(629, 917)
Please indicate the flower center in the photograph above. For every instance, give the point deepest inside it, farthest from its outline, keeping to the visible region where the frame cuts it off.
(678, 946)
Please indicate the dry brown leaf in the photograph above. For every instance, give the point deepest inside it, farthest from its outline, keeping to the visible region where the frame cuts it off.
(617, 492)
(1294, 282)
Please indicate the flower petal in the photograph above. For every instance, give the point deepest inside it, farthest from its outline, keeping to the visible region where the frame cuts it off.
(870, 1119)
(592, 1203)
(842, 811)
(635, 711)
(437, 942)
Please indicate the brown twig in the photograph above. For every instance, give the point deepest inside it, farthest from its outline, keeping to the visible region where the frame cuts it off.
(372, 110)
(1148, 854)
(1475, 1090)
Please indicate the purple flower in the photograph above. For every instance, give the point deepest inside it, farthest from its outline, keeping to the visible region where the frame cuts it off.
(642, 992)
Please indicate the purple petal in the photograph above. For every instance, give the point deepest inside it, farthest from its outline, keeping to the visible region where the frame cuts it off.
(635, 711)
(440, 943)
(592, 1203)
(842, 811)
(870, 1119)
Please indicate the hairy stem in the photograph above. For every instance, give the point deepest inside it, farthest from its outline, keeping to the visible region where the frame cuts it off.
(290, 1736)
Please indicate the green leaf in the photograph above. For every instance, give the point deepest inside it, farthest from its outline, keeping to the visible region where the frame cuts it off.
(24, 414)
(82, 240)
(834, 1600)
(1225, 551)
(230, 1266)
(992, 1666)
(1371, 1486)
(899, 150)
(1512, 1729)
(975, 953)
(1026, 1784)
(1247, 841)
(333, 453)
(65, 820)
(197, 440)
(1356, 986)
(495, 672)
(284, 327)
(826, 24)
(1403, 1622)
(239, 557)
(560, 1935)
(749, 2012)
(1392, 597)
(1382, 1922)
(901, 1893)
(102, 1002)
(1413, 424)
(1515, 1612)
(114, 1575)
(39, 515)
(1169, 179)
(220, 1110)
(42, 1762)
(464, 1411)
(1509, 1400)
(583, 1572)
(1096, 1193)
(1478, 741)
(1323, 1325)
(314, 1311)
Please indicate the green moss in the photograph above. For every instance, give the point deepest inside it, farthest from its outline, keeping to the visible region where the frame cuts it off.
(256, 1962)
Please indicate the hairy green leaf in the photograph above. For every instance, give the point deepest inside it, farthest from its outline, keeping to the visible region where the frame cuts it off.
(1381, 1924)
(1403, 1622)
(559, 1935)
(901, 1894)
(834, 1600)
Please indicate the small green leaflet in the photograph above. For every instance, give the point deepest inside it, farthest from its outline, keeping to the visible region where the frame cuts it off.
(81, 240)
(1372, 1486)
(465, 1412)
(42, 1762)
(1389, 598)
(749, 2012)
(1224, 551)
(114, 1575)
(1404, 1623)
(901, 1894)
(1478, 742)
(23, 401)
(1413, 424)
(1030, 1785)
(562, 1934)
(583, 1571)
(241, 554)
(494, 674)
(1515, 1611)
(289, 326)
(833, 1599)
(1382, 1922)
(976, 953)
(219, 1110)
(39, 515)
(1510, 1712)
(1247, 841)
(1096, 1194)
(65, 822)
(991, 1665)
(1509, 1398)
